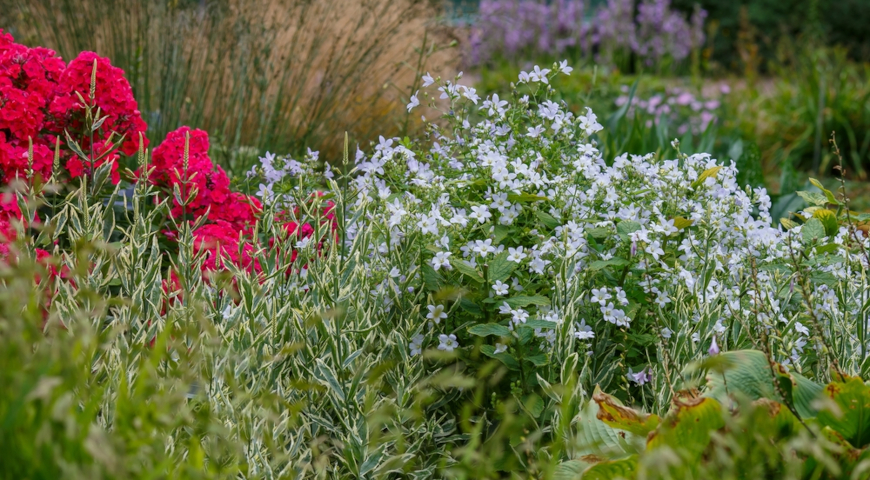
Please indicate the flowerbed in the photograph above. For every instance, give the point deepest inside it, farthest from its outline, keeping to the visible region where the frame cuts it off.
(450, 305)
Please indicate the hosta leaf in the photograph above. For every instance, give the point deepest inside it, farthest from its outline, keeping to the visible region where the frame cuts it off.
(500, 268)
(613, 413)
(710, 172)
(570, 470)
(524, 300)
(852, 417)
(812, 230)
(487, 329)
(747, 372)
(612, 469)
(594, 437)
(688, 425)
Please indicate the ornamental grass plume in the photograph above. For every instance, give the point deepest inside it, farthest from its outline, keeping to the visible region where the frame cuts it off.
(257, 75)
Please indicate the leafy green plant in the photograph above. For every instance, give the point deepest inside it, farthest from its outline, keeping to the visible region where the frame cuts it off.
(748, 402)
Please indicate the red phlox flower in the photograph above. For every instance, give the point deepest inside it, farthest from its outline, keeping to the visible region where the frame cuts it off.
(14, 162)
(223, 243)
(78, 167)
(113, 95)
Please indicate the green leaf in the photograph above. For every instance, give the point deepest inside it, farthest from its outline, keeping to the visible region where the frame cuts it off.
(612, 412)
(627, 227)
(526, 198)
(813, 198)
(487, 329)
(538, 324)
(469, 306)
(467, 270)
(594, 437)
(828, 194)
(747, 372)
(599, 232)
(538, 360)
(534, 404)
(503, 357)
(500, 268)
(681, 223)
(615, 262)
(612, 469)
(431, 278)
(812, 230)
(570, 470)
(851, 418)
(688, 425)
(710, 172)
(829, 220)
(547, 219)
(501, 232)
(524, 300)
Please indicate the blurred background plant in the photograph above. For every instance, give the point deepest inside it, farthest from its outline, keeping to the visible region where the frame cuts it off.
(258, 75)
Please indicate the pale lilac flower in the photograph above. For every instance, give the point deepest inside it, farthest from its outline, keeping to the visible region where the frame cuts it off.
(447, 342)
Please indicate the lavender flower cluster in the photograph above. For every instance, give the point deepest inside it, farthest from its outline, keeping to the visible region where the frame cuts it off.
(650, 30)
(679, 107)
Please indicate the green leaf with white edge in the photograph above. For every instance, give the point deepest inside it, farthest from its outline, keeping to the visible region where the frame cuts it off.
(500, 268)
(812, 230)
(503, 357)
(467, 270)
(488, 329)
(613, 262)
(525, 300)
(708, 173)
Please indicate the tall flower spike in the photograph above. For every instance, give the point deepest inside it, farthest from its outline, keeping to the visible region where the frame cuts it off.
(93, 92)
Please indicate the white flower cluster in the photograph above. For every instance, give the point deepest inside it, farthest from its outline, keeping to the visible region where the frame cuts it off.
(673, 247)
